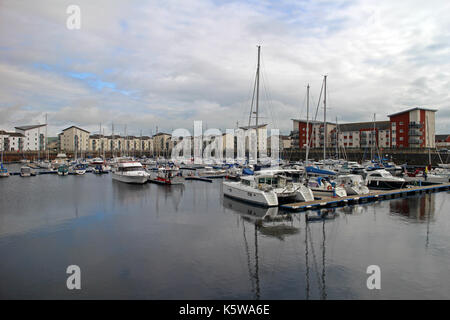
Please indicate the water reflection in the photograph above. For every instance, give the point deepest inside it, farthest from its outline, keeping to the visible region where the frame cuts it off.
(269, 222)
(420, 209)
(354, 209)
(318, 217)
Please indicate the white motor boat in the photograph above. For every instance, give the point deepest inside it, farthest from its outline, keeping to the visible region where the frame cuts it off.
(44, 164)
(61, 159)
(322, 187)
(95, 161)
(384, 180)
(210, 172)
(354, 184)
(26, 172)
(130, 172)
(437, 175)
(79, 169)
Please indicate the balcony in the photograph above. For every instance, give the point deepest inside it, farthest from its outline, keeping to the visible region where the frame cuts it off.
(415, 140)
(413, 124)
(415, 132)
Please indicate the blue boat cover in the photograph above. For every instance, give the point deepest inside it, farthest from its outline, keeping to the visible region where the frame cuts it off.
(247, 171)
(316, 170)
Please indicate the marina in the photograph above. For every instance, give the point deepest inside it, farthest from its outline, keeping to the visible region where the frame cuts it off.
(371, 196)
(189, 242)
(224, 150)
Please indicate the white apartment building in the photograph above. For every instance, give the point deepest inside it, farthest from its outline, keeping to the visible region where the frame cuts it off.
(34, 137)
(11, 141)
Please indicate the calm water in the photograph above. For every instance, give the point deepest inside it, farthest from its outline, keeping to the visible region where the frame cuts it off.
(156, 242)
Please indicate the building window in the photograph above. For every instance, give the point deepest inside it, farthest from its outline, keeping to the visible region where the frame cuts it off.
(401, 138)
(401, 123)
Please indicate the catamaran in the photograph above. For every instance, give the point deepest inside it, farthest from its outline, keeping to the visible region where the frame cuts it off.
(266, 188)
(261, 190)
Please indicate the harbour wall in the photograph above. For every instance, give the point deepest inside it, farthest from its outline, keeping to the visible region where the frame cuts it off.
(399, 156)
(403, 156)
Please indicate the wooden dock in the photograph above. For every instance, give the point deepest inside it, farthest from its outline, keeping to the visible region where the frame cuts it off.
(328, 202)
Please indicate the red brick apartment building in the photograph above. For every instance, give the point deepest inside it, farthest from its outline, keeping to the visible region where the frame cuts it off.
(412, 128)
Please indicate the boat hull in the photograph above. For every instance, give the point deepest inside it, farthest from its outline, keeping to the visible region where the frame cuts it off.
(355, 190)
(337, 192)
(165, 181)
(129, 179)
(386, 185)
(237, 191)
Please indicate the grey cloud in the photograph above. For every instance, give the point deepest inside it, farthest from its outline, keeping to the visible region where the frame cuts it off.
(195, 60)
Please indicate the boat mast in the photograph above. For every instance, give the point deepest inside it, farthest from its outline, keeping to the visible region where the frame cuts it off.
(257, 102)
(112, 147)
(307, 124)
(46, 137)
(373, 138)
(428, 142)
(39, 143)
(324, 117)
(337, 139)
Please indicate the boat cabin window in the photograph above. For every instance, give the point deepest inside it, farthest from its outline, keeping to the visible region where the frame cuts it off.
(267, 180)
(245, 182)
(375, 175)
(127, 169)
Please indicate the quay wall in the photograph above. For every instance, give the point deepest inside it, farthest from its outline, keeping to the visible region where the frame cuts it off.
(399, 156)
(402, 156)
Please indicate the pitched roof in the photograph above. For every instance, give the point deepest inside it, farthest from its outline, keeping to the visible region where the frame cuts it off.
(412, 109)
(161, 133)
(311, 121)
(253, 127)
(30, 127)
(75, 127)
(15, 134)
(441, 137)
(356, 126)
(95, 136)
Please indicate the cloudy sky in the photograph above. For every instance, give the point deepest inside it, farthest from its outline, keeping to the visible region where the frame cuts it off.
(148, 64)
